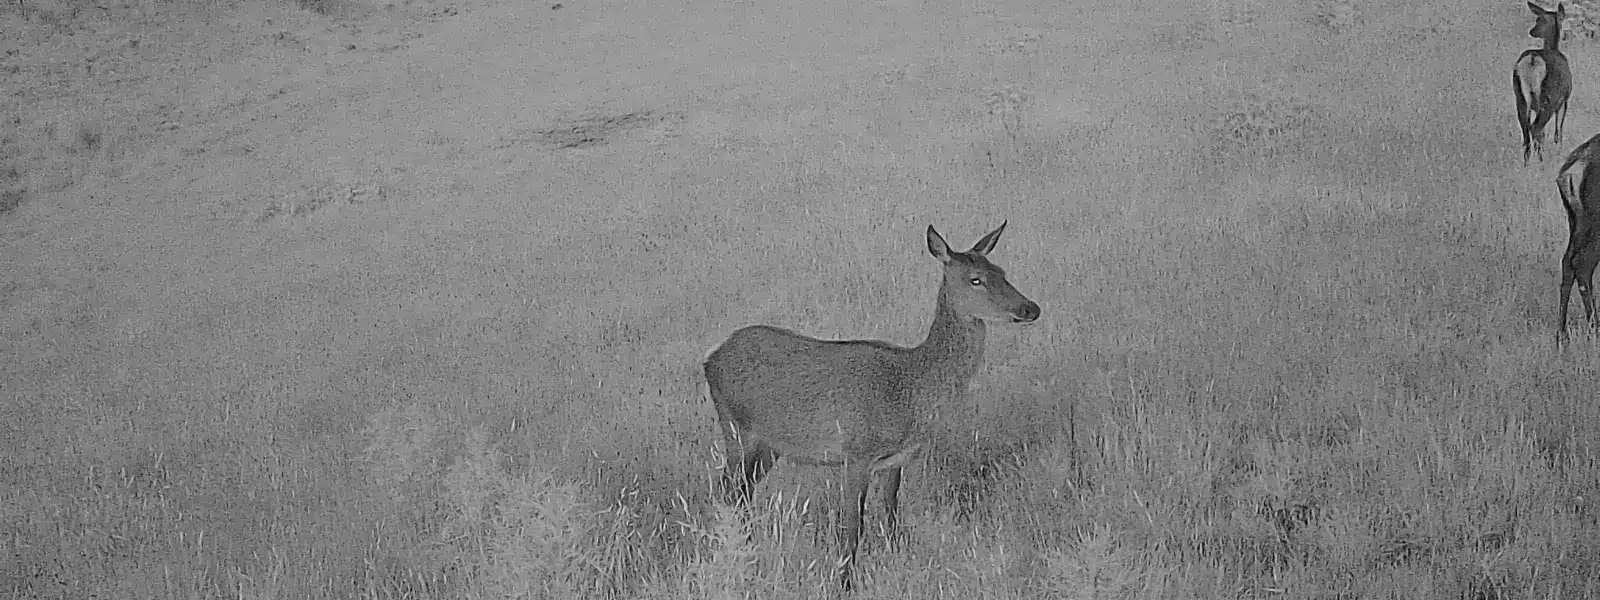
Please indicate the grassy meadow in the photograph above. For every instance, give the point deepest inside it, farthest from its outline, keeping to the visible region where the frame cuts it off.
(408, 300)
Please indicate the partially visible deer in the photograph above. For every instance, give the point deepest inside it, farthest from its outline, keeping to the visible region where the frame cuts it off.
(1542, 81)
(1579, 183)
(859, 404)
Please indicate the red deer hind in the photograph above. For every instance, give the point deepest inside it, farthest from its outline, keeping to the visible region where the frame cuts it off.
(858, 404)
(1543, 81)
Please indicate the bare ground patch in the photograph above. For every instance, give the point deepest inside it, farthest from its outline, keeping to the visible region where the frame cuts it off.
(320, 195)
(596, 130)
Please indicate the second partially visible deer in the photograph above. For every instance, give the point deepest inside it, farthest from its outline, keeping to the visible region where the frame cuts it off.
(1579, 184)
(1542, 81)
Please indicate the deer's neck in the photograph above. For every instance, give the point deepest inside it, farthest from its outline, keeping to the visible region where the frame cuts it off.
(1552, 41)
(951, 355)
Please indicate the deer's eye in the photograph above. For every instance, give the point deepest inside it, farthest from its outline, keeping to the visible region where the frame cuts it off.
(976, 282)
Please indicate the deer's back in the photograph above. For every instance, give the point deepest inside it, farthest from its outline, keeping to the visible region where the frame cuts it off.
(1557, 74)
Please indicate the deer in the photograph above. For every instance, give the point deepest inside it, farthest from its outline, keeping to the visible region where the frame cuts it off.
(862, 405)
(1579, 184)
(1542, 81)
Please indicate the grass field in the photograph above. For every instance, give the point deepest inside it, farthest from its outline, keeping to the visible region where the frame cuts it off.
(336, 300)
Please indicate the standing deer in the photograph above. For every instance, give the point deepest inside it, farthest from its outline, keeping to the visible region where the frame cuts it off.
(1579, 183)
(860, 404)
(1543, 81)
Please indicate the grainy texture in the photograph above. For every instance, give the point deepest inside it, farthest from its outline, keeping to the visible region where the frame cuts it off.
(324, 302)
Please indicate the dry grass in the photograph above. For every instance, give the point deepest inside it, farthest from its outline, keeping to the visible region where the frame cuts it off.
(1297, 300)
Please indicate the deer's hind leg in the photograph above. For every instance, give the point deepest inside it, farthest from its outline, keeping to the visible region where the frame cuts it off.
(889, 486)
(1561, 120)
(1582, 267)
(1523, 118)
(749, 461)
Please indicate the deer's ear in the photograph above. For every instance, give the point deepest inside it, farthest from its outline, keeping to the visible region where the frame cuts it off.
(937, 246)
(1535, 8)
(986, 244)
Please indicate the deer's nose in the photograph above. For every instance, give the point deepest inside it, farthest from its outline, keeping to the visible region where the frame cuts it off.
(1027, 314)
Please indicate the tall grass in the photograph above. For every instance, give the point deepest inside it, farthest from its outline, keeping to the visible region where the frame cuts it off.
(1296, 338)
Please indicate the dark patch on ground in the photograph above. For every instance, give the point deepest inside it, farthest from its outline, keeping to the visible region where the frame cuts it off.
(593, 131)
(320, 195)
(11, 190)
